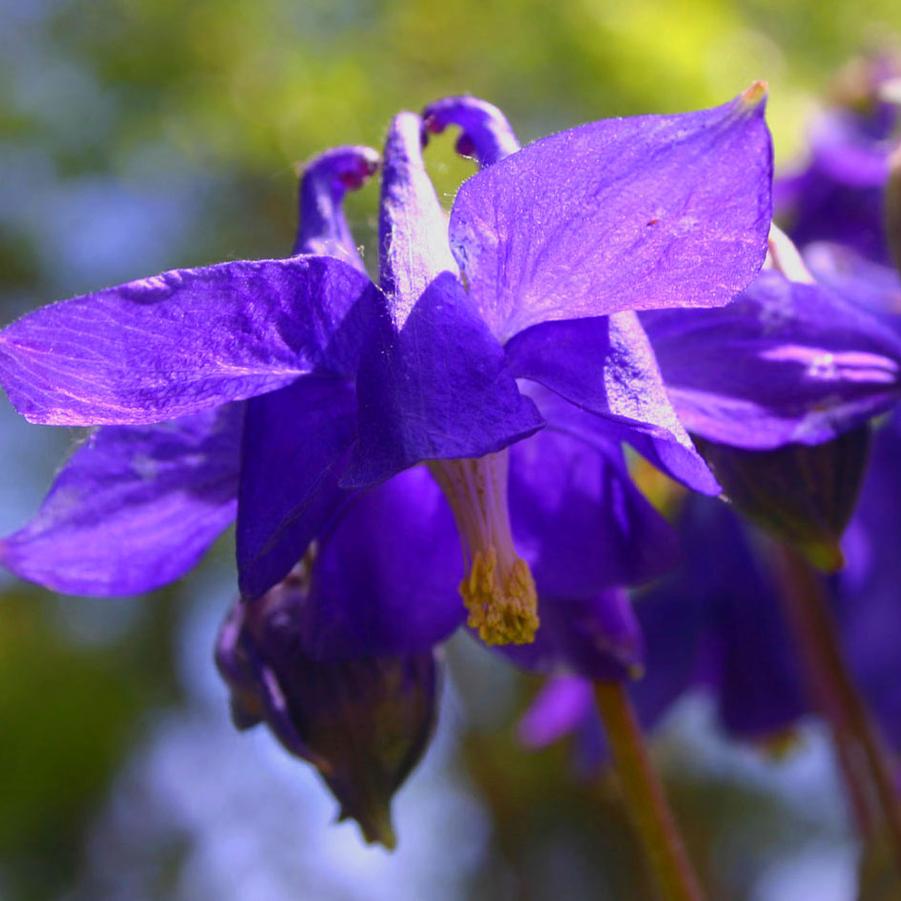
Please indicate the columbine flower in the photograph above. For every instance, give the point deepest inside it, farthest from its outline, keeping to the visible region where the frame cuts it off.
(339, 649)
(352, 384)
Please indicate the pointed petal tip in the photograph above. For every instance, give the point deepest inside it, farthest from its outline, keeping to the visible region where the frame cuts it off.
(754, 96)
(376, 826)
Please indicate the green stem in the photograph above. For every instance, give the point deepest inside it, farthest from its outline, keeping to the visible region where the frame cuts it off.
(644, 797)
(860, 747)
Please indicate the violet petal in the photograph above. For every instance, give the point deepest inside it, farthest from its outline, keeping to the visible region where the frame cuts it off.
(134, 507)
(637, 213)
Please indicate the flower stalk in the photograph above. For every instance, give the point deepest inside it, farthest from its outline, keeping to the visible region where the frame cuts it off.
(859, 747)
(644, 797)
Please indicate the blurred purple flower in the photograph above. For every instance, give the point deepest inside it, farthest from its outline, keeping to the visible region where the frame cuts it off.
(869, 610)
(839, 209)
(720, 629)
(839, 196)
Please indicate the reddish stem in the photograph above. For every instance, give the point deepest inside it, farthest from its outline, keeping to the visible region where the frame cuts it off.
(644, 797)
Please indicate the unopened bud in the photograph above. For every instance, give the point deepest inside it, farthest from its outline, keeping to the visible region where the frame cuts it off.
(363, 722)
(801, 494)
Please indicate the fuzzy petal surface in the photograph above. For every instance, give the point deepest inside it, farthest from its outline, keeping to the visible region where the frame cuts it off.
(322, 226)
(637, 213)
(485, 132)
(134, 507)
(163, 347)
(413, 248)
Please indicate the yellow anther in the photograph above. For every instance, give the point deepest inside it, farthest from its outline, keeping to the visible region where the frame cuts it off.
(502, 605)
(498, 590)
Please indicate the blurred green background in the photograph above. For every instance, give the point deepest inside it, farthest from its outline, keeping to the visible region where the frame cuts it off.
(140, 135)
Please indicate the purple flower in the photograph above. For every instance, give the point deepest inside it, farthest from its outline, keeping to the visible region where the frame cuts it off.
(712, 628)
(349, 384)
(840, 209)
(839, 196)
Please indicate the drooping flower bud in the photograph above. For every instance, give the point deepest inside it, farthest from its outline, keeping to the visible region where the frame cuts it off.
(363, 722)
(802, 494)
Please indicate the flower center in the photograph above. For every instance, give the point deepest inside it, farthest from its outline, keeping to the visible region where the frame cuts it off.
(498, 589)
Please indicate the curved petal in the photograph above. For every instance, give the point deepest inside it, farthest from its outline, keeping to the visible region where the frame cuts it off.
(183, 341)
(579, 521)
(639, 213)
(785, 363)
(134, 508)
(485, 132)
(437, 389)
(606, 366)
(296, 447)
(400, 594)
(322, 227)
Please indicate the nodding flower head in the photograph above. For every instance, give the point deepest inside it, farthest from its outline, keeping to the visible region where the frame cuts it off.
(350, 384)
